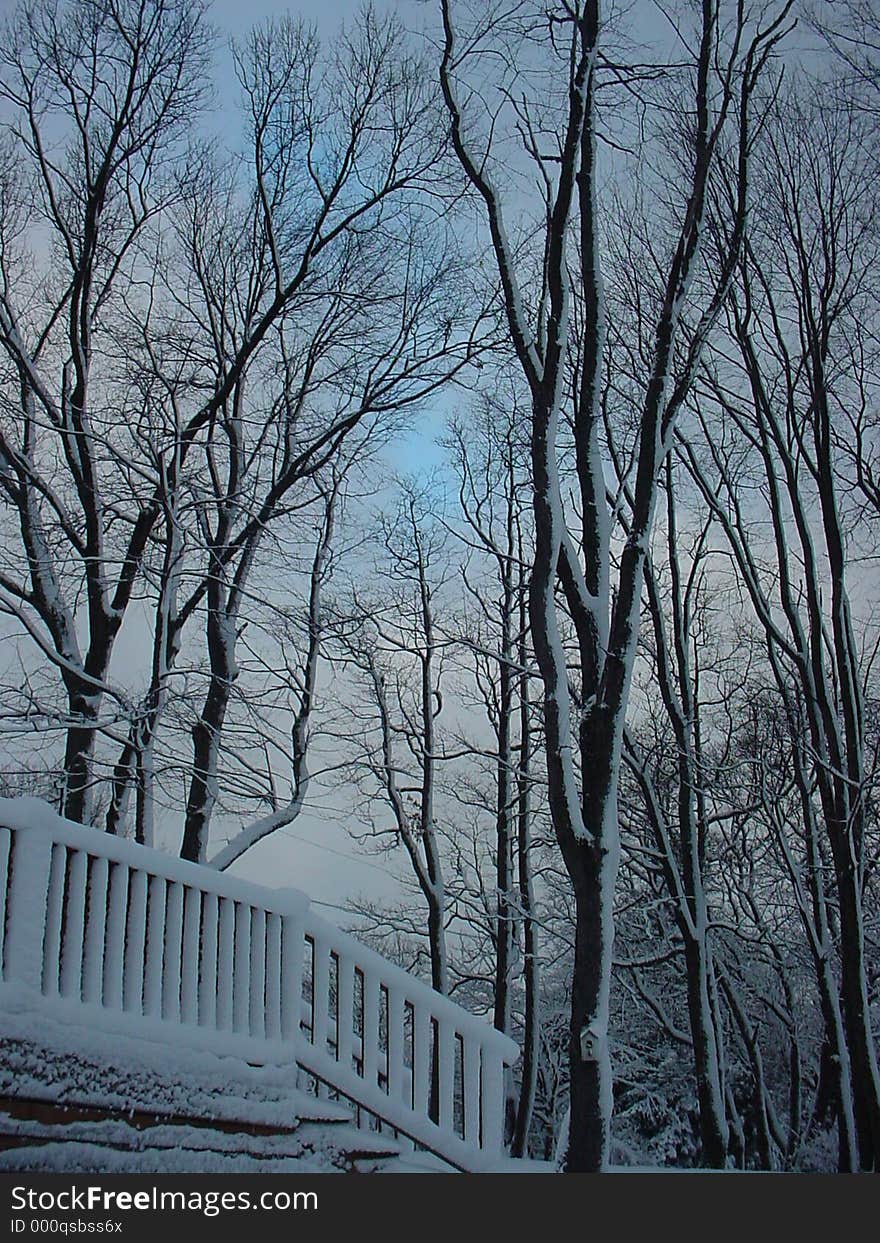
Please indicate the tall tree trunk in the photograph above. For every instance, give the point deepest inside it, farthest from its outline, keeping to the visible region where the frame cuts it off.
(592, 865)
(202, 797)
(79, 749)
(857, 1015)
(84, 699)
(591, 1085)
(208, 729)
(714, 1137)
(437, 945)
(531, 962)
(504, 814)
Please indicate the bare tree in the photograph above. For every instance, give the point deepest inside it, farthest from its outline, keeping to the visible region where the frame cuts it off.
(489, 458)
(777, 756)
(302, 686)
(674, 600)
(726, 66)
(803, 279)
(851, 29)
(392, 639)
(100, 96)
(221, 330)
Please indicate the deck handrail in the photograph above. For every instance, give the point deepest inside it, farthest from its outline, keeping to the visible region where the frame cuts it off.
(92, 922)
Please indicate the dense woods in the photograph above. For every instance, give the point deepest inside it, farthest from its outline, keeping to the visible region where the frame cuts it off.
(470, 415)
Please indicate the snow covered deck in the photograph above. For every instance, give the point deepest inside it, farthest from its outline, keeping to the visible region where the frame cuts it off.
(108, 937)
(72, 1098)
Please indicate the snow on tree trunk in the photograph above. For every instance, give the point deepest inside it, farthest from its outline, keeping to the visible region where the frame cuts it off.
(583, 797)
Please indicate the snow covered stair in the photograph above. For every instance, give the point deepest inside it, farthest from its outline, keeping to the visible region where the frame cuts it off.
(123, 943)
(65, 1105)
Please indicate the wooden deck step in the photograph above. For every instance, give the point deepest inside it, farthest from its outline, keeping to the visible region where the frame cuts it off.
(64, 1108)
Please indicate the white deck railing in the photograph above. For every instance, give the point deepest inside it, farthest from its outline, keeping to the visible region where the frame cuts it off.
(114, 933)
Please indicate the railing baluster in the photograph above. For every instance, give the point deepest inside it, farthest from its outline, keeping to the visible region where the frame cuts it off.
(189, 958)
(114, 959)
(153, 966)
(5, 856)
(54, 922)
(225, 964)
(273, 976)
(344, 1010)
(320, 992)
(470, 1089)
(241, 990)
(371, 1028)
(173, 948)
(135, 942)
(395, 1041)
(73, 931)
(96, 922)
(208, 985)
(26, 909)
(257, 1024)
(445, 1074)
(293, 949)
(422, 1049)
(492, 1101)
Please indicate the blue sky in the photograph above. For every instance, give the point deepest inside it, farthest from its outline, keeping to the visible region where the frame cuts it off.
(234, 16)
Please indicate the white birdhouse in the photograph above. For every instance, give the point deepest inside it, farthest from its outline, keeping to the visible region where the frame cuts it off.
(591, 1044)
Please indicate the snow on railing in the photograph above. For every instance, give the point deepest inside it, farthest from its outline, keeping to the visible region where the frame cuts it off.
(137, 940)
